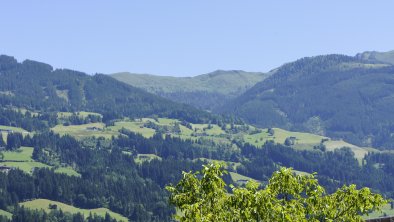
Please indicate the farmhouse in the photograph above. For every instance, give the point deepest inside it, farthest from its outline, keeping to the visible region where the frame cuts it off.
(6, 169)
(93, 128)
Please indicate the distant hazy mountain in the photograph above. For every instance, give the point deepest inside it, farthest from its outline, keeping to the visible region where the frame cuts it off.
(207, 91)
(384, 57)
(335, 95)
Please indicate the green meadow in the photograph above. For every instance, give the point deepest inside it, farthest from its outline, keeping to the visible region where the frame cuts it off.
(140, 158)
(5, 214)
(22, 154)
(15, 129)
(136, 127)
(280, 135)
(81, 114)
(83, 131)
(43, 204)
(22, 159)
(359, 152)
(386, 211)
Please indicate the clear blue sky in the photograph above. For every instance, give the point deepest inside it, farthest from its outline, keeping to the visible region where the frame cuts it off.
(186, 37)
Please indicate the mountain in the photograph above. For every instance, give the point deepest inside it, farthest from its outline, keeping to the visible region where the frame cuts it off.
(37, 86)
(334, 95)
(384, 57)
(207, 91)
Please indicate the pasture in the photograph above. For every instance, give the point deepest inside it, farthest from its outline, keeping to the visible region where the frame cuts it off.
(68, 171)
(386, 211)
(43, 204)
(140, 158)
(85, 130)
(5, 214)
(81, 114)
(22, 154)
(136, 127)
(15, 129)
(280, 135)
(359, 152)
(22, 159)
(240, 179)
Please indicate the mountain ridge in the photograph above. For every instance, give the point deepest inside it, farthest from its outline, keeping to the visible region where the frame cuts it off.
(206, 91)
(345, 97)
(36, 85)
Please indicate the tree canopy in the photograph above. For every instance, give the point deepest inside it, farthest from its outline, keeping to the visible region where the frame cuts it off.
(202, 196)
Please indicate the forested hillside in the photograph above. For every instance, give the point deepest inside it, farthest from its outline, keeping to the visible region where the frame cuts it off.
(335, 95)
(207, 91)
(37, 86)
(75, 147)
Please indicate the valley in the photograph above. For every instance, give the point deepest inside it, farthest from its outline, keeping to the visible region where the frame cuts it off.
(91, 142)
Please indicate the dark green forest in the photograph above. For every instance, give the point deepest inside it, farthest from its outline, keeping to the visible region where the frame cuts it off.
(335, 95)
(37, 86)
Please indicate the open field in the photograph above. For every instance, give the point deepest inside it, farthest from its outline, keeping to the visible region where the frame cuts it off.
(43, 204)
(22, 154)
(240, 179)
(145, 157)
(22, 159)
(25, 166)
(214, 131)
(136, 127)
(386, 211)
(5, 213)
(359, 152)
(68, 171)
(15, 129)
(82, 131)
(81, 114)
(280, 136)
(303, 141)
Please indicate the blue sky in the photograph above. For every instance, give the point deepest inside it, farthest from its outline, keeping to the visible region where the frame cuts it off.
(186, 38)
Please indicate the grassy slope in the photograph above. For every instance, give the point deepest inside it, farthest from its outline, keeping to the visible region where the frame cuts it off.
(15, 129)
(44, 205)
(81, 131)
(333, 88)
(359, 152)
(23, 154)
(6, 214)
(81, 114)
(22, 159)
(386, 57)
(385, 211)
(236, 177)
(134, 127)
(145, 157)
(303, 140)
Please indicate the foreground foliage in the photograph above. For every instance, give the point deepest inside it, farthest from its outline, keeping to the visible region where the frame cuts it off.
(202, 196)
